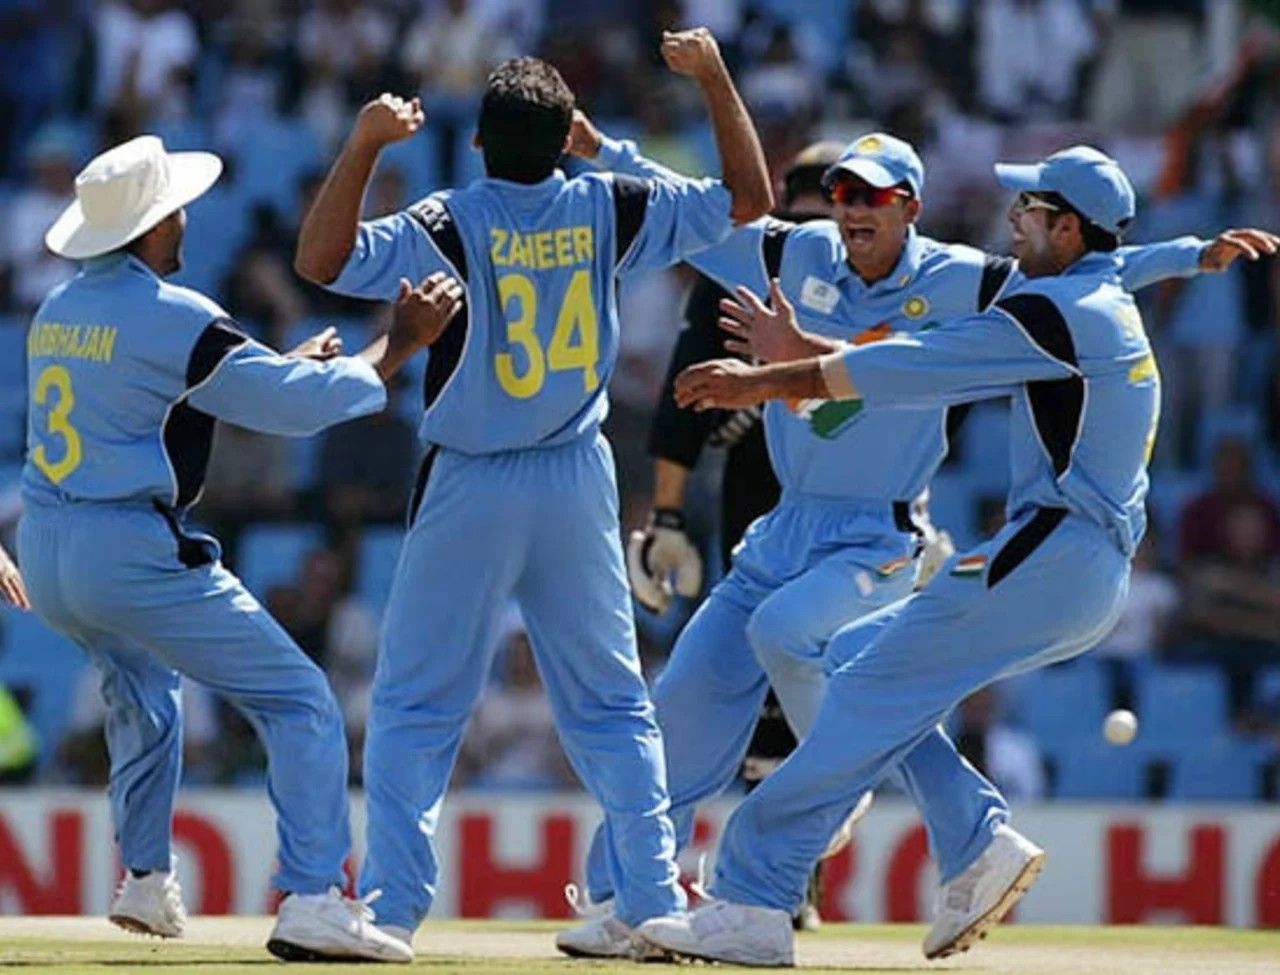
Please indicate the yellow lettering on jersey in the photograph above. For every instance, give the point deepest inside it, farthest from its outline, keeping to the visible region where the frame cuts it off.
(544, 250)
(497, 239)
(564, 258)
(96, 343)
(546, 256)
(521, 250)
(583, 245)
(1144, 368)
(107, 348)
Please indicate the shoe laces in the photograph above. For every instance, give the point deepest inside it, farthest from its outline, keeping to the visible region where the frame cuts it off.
(173, 896)
(361, 908)
(579, 902)
(699, 884)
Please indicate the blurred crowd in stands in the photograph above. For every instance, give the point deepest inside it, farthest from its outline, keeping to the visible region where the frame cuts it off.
(1186, 93)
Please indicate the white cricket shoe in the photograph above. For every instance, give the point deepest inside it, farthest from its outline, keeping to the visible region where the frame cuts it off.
(724, 931)
(328, 927)
(150, 905)
(600, 935)
(970, 905)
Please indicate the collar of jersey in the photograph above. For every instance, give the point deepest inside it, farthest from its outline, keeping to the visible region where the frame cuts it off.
(114, 260)
(1096, 262)
(902, 274)
(556, 179)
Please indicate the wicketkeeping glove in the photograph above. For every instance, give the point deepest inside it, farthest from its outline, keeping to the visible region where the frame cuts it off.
(661, 561)
(938, 547)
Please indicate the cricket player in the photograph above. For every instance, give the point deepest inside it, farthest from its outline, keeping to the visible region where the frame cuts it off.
(516, 496)
(127, 375)
(841, 543)
(1066, 346)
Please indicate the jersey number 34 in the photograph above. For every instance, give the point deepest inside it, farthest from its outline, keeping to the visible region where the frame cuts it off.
(575, 341)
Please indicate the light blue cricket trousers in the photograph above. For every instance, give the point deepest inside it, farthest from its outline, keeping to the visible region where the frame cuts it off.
(1052, 586)
(803, 571)
(111, 578)
(541, 525)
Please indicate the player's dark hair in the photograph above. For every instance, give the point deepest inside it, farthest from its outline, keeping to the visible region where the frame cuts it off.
(1095, 238)
(802, 181)
(524, 119)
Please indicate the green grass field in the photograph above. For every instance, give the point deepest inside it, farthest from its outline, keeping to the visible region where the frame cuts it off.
(233, 946)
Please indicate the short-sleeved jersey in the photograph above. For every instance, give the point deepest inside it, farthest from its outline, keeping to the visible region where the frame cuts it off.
(127, 374)
(527, 361)
(1071, 353)
(878, 456)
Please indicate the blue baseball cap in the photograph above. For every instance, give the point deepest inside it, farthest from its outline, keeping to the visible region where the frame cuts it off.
(881, 160)
(1091, 181)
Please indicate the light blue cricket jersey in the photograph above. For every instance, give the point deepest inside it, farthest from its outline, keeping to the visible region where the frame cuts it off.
(127, 373)
(1071, 353)
(883, 456)
(527, 361)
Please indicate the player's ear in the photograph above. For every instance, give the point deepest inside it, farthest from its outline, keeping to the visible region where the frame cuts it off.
(475, 140)
(911, 209)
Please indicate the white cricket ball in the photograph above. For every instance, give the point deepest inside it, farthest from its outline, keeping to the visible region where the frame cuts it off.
(1120, 727)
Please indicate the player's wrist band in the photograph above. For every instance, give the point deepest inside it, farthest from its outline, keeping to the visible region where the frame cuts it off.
(672, 518)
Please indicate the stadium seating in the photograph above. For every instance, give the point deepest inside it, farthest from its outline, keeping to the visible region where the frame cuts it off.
(379, 549)
(34, 657)
(271, 554)
(1065, 704)
(1225, 769)
(1180, 707)
(1097, 772)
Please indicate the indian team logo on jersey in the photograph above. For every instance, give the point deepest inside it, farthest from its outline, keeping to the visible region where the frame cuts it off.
(969, 565)
(915, 307)
(868, 145)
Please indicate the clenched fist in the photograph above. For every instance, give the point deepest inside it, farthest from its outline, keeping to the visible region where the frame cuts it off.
(584, 138)
(692, 52)
(387, 119)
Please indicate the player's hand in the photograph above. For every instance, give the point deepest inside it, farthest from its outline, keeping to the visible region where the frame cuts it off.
(387, 119)
(720, 384)
(661, 561)
(1229, 245)
(320, 347)
(692, 52)
(12, 589)
(584, 138)
(761, 332)
(422, 313)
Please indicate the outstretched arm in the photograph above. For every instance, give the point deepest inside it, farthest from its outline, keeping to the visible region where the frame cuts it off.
(741, 158)
(328, 231)
(1184, 257)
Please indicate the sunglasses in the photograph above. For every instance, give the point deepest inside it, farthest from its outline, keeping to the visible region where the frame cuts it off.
(1027, 201)
(850, 192)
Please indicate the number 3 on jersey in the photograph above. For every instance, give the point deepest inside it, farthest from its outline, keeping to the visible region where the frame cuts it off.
(575, 342)
(57, 378)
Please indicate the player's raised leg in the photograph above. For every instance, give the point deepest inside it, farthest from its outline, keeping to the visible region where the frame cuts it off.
(878, 707)
(790, 629)
(437, 643)
(201, 621)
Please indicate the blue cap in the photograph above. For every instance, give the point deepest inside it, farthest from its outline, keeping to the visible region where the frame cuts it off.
(882, 161)
(1091, 181)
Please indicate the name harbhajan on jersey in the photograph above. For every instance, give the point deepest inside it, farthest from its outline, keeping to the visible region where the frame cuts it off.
(93, 342)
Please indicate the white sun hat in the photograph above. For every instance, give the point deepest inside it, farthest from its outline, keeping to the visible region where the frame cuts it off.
(125, 192)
